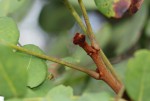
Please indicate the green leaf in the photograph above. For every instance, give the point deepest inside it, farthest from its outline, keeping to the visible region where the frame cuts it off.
(8, 30)
(63, 93)
(128, 32)
(98, 86)
(8, 7)
(14, 99)
(30, 93)
(13, 75)
(95, 97)
(43, 89)
(78, 81)
(55, 18)
(60, 93)
(137, 76)
(27, 99)
(113, 8)
(36, 68)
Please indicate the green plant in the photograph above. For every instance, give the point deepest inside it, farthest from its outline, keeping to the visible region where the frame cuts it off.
(24, 72)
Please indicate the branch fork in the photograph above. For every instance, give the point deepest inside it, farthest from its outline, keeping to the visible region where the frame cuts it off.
(79, 39)
(104, 74)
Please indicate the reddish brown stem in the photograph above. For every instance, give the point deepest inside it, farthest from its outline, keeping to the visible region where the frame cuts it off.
(104, 74)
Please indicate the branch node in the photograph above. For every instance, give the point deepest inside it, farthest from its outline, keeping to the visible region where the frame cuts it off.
(94, 53)
(101, 74)
(79, 39)
(96, 47)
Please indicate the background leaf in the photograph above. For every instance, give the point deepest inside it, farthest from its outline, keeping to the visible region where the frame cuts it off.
(128, 32)
(15, 99)
(65, 93)
(8, 30)
(90, 5)
(61, 49)
(55, 18)
(148, 28)
(95, 97)
(15, 8)
(137, 81)
(104, 35)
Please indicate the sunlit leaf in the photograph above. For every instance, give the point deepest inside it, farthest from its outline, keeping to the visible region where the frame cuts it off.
(137, 76)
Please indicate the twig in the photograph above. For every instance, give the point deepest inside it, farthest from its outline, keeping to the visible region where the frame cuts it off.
(75, 14)
(79, 21)
(19, 44)
(94, 42)
(105, 75)
(53, 59)
(109, 66)
(120, 94)
(89, 28)
(91, 35)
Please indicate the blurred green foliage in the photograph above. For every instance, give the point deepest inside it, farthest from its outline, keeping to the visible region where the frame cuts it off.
(6, 32)
(15, 8)
(119, 38)
(54, 16)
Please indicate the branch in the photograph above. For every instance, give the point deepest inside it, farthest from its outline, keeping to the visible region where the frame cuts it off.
(109, 65)
(53, 59)
(91, 35)
(89, 28)
(120, 94)
(94, 42)
(104, 74)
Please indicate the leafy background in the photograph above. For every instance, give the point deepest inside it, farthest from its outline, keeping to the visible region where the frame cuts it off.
(125, 41)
